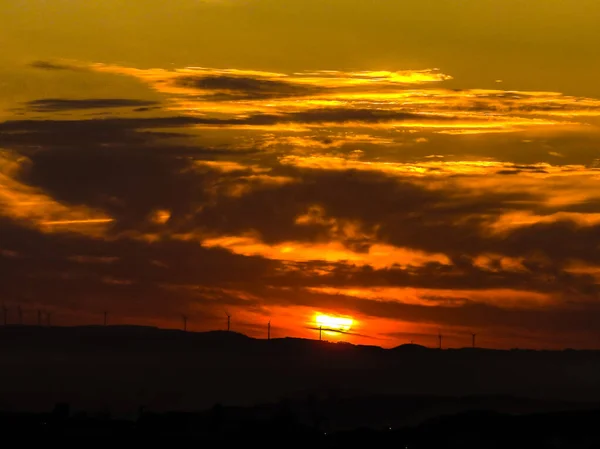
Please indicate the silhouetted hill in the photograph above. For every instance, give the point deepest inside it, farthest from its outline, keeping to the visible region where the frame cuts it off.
(119, 368)
(411, 347)
(109, 336)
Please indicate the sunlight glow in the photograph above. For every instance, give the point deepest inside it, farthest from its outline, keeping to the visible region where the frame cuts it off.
(334, 323)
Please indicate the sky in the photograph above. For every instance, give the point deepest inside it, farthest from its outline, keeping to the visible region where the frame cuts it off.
(413, 168)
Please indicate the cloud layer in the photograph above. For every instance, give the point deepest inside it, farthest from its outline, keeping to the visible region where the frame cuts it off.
(383, 196)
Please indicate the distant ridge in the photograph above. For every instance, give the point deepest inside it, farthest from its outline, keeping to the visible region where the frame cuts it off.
(411, 347)
(88, 333)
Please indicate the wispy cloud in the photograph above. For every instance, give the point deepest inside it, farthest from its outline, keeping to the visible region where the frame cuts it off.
(54, 65)
(69, 104)
(376, 256)
(361, 95)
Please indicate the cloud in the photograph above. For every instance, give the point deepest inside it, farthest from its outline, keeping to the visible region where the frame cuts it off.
(222, 87)
(244, 92)
(34, 207)
(49, 65)
(65, 104)
(172, 276)
(316, 116)
(289, 194)
(376, 256)
(501, 298)
(115, 124)
(65, 258)
(339, 78)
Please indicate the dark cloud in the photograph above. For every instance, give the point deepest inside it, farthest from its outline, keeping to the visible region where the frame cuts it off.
(138, 281)
(406, 213)
(340, 115)
(131, 184)
(103, 125)
(462, 275)
(131, 131)
(142, 177)
(48, 65)
(65, 104)
(145, 109)
(508, 172)
(94, 127)
(89, 132)
(238, 87)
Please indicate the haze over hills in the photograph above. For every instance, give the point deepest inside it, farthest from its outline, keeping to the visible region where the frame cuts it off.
(120, 368)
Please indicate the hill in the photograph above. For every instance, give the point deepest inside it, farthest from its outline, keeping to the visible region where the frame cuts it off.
(119, 368)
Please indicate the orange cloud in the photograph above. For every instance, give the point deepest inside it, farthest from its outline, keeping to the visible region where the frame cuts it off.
(502, 298)
(378, 255)
(233, 93)
(33, 207)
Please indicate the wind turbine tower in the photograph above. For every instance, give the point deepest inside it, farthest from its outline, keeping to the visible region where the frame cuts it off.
(185, 318)
(228, 321)
(473, 339)
(269, 330)
(105, 317)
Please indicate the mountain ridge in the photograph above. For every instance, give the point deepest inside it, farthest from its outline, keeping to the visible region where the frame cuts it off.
(125, 330)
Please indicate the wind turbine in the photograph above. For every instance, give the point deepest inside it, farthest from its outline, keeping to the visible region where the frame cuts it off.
(185, 318)
(228, 321)
(473, 335)
(322, 327)
(269, 330)
(105, 317)
(440, 340)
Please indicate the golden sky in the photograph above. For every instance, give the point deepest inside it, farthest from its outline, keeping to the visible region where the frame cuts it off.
(418, 167)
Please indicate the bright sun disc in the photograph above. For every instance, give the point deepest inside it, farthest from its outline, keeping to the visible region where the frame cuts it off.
(334, 323)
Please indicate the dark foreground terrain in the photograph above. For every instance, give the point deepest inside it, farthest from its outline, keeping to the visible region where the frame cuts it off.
(280, 427)
(140, 383)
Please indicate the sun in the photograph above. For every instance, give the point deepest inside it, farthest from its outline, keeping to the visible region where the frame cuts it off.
(334, 323)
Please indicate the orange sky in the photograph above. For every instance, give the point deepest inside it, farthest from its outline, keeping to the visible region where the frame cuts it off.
(422, 170)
